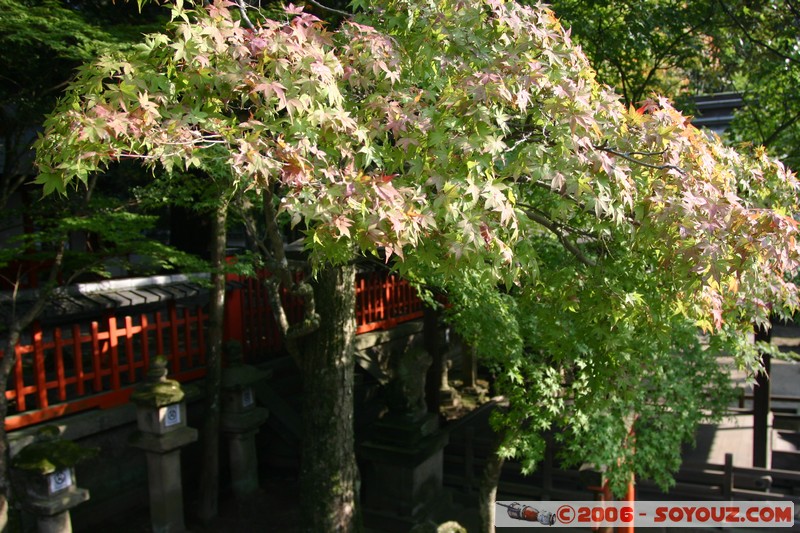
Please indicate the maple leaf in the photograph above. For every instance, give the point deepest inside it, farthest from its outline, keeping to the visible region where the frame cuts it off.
(292, 9)
(405, 142)
(342, 224)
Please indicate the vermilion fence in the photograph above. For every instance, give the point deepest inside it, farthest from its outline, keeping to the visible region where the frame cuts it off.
(67, 369)
(382, 301)
(62, 370)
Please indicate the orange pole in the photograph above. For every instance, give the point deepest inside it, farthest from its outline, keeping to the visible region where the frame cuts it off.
(630, 497)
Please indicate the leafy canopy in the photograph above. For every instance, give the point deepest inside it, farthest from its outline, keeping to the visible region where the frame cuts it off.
(472, 141)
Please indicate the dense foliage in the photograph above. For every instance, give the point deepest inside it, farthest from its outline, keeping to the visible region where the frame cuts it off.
(644, 47)
(43, 43)
(472, 141)
(685, 49)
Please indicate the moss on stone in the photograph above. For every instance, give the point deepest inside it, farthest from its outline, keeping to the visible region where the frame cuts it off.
(158, 394)
(48, 456)
(157, 390)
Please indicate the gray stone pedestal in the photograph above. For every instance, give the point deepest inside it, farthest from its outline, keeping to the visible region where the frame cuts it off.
(58, 523)
(161, 417)
(402, 473)
(403, 455)
(52, 511)
(448, 396)
(240, 421)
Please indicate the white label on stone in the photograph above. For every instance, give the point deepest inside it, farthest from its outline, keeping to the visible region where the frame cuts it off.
(172, 416)
(59, 480)
(247, 397)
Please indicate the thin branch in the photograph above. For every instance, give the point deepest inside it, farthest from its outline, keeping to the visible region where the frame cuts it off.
(561, 225)
(549, 188)
(667, 52)
(302, 289)
(521, 140)
(44, 295)
(793, 9)
(274, 256)
(54, 88)
(646, 154)
(276, 240)
(781, 128)
(244, 206)
(10, 185)
(629, 157)
(243, 12)
(553, 227)
(331, 9)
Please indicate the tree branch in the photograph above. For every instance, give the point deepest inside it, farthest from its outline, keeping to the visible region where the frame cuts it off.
(331, 9)
(780, 129)
(42, 296)
(283, 276)
(553, 227)
(628, 156)
(243, 12)
(561, 225)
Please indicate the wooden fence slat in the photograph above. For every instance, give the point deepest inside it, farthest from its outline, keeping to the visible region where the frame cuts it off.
(40, 377)
(113, 339)
(19, 380)
(130, 357)
(78, 360)
(187, 342)
(173, 338)
(60, 377)
(201, 339)
(159, 334)
(146, 328)
(96, 358)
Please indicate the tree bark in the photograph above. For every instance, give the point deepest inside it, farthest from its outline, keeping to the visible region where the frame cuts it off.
(329, 475)
(487, 491)
(209, 479)
(6, 364)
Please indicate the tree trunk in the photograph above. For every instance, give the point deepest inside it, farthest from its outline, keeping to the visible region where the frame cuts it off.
(329, 475)
(209, 480)
(487, 491)
(6, 364)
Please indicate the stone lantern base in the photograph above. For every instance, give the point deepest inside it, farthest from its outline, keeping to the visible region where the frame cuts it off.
(402, 472)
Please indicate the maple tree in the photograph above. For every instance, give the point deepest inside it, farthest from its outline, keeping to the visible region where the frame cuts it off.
(471, 143)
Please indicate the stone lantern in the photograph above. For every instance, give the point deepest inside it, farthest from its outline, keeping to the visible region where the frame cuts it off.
(240, 420)
(403, 454)
(43, 479)
(162, 432)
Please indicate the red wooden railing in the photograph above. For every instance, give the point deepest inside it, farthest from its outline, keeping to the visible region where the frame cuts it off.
(249, 318)
(383, 301)
(64, 370)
